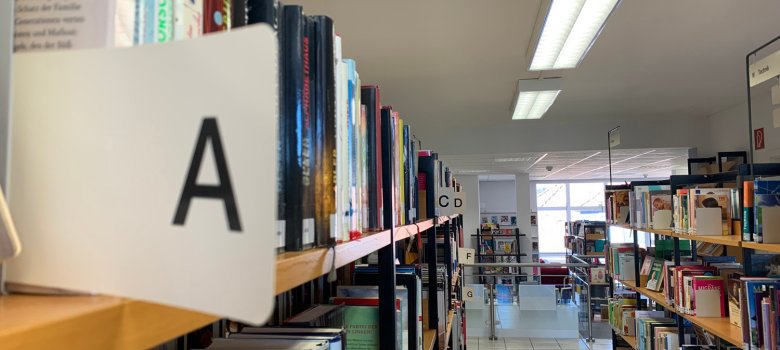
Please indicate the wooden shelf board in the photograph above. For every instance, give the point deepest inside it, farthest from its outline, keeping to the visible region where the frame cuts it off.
(719, 326)
(450, 318)
(296, 268)
(429, 335)
(91, 322)
(762, 246)
(591, 255)
(731, 240)
(630, 340)
(594, 236)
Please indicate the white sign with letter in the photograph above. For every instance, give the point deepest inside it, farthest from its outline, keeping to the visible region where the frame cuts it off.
(150, 172)
(468, 293)
(466, 255)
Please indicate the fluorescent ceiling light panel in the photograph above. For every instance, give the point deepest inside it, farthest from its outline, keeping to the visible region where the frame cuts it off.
(569, 30)
(535, 96)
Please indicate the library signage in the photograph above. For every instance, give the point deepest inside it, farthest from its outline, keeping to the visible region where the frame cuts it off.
(150, 172)
(451, 202)
(764, 69)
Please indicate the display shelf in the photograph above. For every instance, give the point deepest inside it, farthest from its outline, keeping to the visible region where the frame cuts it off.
(590, 255)
(296, 268)
(731, 240)
(719, 326)
(91, 322)
(770, 247)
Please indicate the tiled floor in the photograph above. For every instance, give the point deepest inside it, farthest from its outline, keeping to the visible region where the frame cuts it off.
(482, 343)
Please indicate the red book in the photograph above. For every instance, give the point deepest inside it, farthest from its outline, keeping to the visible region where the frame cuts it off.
(709, 296)
(216, 15)
(348, 301)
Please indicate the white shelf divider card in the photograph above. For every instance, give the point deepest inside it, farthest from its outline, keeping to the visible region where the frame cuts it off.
(102, 144)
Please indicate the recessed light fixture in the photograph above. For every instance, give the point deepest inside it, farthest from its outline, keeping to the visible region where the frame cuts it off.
(570, 29)
(507, 160)
(535, 96)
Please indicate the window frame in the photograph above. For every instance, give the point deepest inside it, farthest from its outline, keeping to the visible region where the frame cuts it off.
(568, 208)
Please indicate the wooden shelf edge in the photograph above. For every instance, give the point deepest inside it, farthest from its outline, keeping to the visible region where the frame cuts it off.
(429, 335)
(719, 326)
(296, 268)
(91, 322)
(770, 247)
(630, 340)
(450, 318)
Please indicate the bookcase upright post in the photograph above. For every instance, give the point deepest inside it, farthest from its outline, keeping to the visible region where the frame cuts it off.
(448, 259)
(386, 259)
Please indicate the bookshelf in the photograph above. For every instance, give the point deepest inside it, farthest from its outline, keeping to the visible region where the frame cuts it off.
(429, 335)
(296, 268)
(103, 322)
(718, 326)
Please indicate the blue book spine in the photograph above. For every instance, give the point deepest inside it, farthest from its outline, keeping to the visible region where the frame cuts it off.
(150, 21)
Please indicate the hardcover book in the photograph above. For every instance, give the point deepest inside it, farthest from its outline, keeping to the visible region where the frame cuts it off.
(370, 97)
(709, 296)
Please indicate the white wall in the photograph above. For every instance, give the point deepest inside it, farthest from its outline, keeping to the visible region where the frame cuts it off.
(498, 196)
(553, 135)
(728, 129)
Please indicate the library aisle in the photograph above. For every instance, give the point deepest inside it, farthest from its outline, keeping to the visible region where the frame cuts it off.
(389, 175)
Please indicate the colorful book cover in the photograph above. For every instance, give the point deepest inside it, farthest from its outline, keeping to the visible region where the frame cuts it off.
(188, 19)
(709, 296)
(216, 15)
(361, 321)
(767, 194)
(655, 277)
(717, 198)
(373, 292)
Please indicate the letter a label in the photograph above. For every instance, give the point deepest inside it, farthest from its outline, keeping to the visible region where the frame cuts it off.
(223, 190)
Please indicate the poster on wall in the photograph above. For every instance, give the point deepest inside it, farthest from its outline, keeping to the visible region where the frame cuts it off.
(533, 218)
(503, 220)
(513, 220)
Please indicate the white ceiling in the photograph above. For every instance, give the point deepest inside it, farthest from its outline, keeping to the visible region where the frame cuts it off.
(579, 165)
(454, 64)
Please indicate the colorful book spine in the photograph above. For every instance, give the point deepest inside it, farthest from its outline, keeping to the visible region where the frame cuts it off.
(748, 223)
(370, 98)
(216, 15)
(188, 19)
(295, 117)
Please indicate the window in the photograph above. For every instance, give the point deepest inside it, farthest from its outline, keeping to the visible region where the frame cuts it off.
(558, 203)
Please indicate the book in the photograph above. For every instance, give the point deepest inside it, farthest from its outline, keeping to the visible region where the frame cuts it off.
(647, 264)
(239, 15)
(709, 296)
(369, 96)
(294, 105)
(598, 275)
(655, 280)
(187, 19)
(217, 16)
(766, 195)
(387, 140)
(361, 321)
(402, 294)
(322, 37)
(748, 221)
(714, 198)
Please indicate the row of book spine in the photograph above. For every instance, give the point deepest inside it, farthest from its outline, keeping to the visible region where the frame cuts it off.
(343, 156)
(761, 205)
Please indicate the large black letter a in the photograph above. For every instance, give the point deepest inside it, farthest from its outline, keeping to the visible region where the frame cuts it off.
(223, 190)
